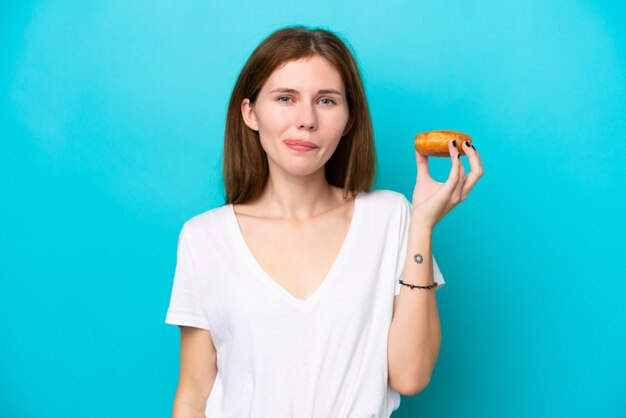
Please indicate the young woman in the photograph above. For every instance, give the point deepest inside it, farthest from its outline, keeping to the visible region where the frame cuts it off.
(288, 296)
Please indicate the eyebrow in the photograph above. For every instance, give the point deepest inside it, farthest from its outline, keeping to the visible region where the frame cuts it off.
(322, 91)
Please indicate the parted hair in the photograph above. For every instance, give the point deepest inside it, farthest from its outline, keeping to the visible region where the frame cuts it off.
(353, 164)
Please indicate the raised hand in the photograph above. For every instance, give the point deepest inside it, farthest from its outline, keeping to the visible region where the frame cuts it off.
(432, 200)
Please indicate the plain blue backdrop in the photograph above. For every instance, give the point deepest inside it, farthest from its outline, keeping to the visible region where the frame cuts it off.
(112, 119)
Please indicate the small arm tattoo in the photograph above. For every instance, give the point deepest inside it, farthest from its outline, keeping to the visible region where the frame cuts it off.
(418, 258)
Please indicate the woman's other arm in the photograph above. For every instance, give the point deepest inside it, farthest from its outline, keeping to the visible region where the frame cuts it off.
(198, 368)
(415, 333)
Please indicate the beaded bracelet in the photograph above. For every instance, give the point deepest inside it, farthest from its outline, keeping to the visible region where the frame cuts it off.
(432, 286)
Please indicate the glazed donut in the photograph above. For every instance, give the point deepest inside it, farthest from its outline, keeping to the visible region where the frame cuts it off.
(435, 143)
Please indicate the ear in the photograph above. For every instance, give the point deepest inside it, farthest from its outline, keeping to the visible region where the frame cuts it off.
(249, 117)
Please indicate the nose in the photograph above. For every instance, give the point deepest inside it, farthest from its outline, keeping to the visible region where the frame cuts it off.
(307, 119)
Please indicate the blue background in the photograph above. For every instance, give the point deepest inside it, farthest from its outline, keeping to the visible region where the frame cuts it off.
(112, 119)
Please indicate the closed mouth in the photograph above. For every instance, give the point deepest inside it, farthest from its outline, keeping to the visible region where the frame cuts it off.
(301, 143)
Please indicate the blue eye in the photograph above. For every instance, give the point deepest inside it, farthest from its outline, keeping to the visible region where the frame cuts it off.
(279, 99)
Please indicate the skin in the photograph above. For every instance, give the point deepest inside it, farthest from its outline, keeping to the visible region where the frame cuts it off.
(415, 331)
(299, 213)
(297, 189)
(432, 200)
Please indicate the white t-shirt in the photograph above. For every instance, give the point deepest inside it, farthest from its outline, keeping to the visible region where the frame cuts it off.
(280, 356)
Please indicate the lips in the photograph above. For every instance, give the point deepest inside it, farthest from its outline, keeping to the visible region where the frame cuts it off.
(300, 142)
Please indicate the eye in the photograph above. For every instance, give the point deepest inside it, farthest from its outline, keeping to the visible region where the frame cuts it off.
(282, 97)
(329, 100)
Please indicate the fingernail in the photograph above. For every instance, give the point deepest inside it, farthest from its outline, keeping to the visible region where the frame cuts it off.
(454, 143)
(474, 148)
(467, 144)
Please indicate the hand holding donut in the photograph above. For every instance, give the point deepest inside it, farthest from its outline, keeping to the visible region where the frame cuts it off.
(432, 200)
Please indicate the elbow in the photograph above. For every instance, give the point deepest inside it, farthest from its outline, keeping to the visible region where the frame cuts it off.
(409, 377)
(414, 387)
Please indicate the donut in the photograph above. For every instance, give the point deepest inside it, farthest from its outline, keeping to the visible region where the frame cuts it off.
(435, 143)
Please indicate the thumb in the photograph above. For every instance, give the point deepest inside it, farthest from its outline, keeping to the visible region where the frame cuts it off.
(422, 165)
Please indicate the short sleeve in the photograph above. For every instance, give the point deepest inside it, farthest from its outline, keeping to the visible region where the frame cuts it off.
(405, 219)
(185, 307)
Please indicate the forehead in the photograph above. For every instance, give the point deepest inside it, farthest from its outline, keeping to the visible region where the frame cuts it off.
(312, 73)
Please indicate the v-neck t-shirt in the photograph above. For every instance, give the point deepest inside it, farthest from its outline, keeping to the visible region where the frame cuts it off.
(281, 356)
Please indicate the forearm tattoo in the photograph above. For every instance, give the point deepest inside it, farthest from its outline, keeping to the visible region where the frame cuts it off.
(418, 258)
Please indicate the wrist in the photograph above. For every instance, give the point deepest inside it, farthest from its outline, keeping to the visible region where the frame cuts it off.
(421, 227)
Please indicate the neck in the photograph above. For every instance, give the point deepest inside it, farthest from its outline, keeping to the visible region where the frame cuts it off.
(297, 198)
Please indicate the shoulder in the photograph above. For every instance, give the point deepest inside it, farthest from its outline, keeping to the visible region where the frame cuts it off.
(386, 199)
(205, 222)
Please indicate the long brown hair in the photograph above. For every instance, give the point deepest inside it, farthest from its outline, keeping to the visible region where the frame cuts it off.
(353, 164)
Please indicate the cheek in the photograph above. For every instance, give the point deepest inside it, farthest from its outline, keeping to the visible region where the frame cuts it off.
(339, 121)
(274, 120)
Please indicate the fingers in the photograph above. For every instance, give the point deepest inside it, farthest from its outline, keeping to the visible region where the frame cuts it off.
(455, 172)
(476, 170)
(456, 194)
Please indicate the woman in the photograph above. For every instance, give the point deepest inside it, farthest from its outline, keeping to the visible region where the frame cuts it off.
(284, 294)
